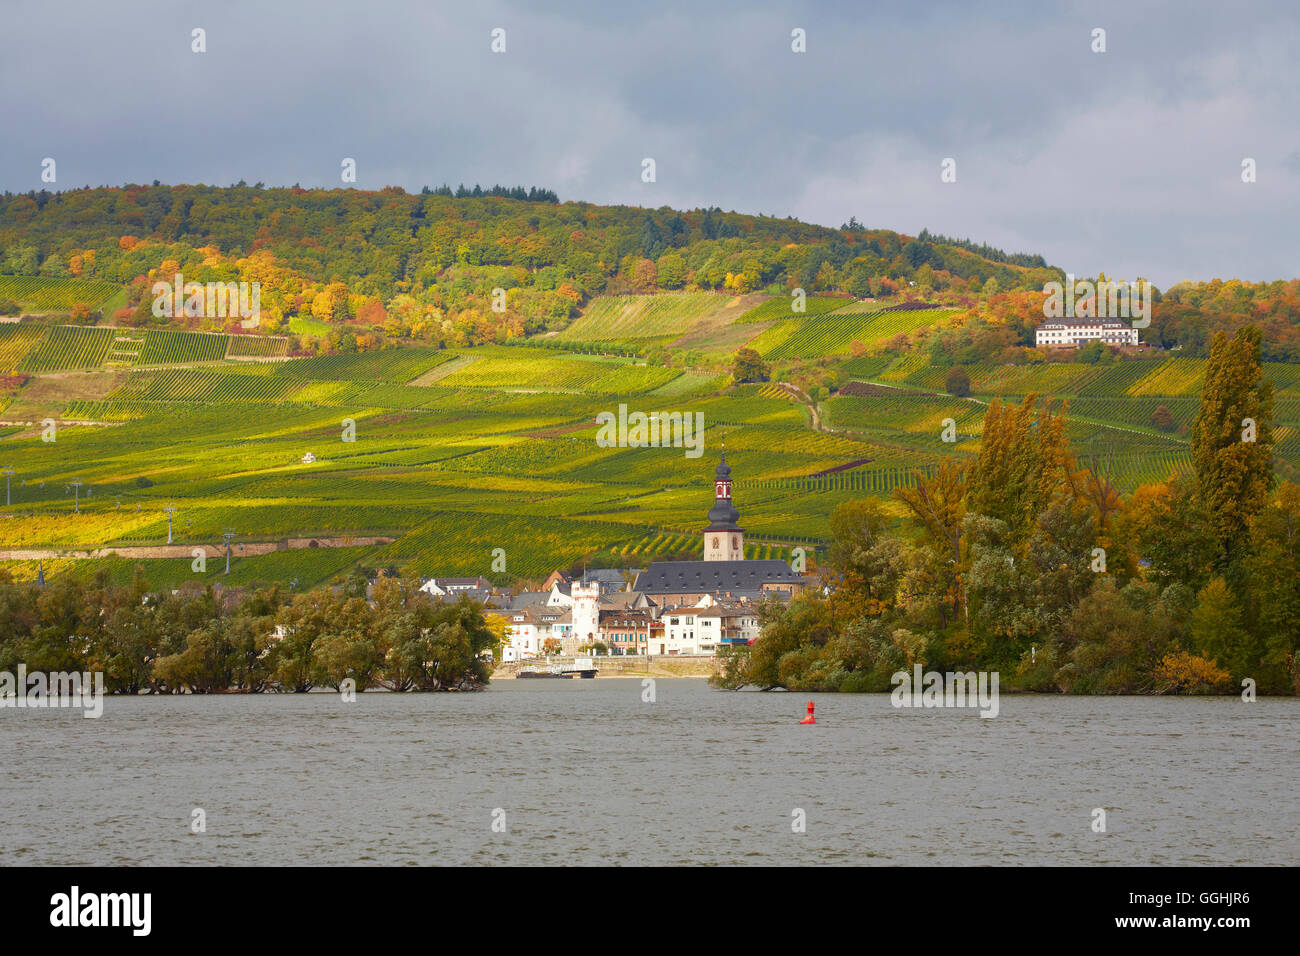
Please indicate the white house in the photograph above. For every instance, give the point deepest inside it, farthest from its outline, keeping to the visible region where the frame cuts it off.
(707, 627)
(451, 587)
(1073, 333)
(560, 596)
(682, 632)
(529, 628)
(735, 623)
(521, 641)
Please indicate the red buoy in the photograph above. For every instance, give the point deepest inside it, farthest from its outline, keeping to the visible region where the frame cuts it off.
(810, 719)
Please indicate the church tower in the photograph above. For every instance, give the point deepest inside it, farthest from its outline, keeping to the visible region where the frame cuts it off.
(724, 538)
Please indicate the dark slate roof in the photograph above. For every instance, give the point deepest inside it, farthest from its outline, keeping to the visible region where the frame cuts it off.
(604, 576)
(528, 599)
(708, 576)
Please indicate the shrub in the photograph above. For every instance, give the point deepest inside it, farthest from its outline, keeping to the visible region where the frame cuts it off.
(1184, 673)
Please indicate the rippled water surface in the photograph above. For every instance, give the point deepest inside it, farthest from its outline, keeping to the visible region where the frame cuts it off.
(587, 772)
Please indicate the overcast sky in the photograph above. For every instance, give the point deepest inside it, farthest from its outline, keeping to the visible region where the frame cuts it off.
(1128, 161)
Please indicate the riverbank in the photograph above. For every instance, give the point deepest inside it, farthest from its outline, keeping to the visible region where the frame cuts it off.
(613, 667)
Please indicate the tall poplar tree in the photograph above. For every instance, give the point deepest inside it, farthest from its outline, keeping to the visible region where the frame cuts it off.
(1022, 465)
(1232, 439)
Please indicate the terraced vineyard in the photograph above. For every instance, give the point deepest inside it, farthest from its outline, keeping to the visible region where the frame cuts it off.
(905, 416)
(1110, 407)
(389, 365)
(174, 348)
(302, 567)
(462, 544)
(126, 348)
(36, 348)
(836, 333)
(860, 307)
(517, 369)
(66, 347)
(205, 385)
(782, 307)
(495, 447)
(16, 341)
(1135, 414)
(662, 316)
(257, 346)
(55, 294)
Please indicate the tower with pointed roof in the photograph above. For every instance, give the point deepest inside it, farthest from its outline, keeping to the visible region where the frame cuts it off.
(724, 538)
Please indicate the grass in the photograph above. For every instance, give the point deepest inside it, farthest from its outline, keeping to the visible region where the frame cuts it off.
(302, 326)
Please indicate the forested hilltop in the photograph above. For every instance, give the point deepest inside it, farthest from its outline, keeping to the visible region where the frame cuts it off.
(346, 269)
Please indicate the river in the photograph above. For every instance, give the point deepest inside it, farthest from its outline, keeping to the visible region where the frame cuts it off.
(588, 772)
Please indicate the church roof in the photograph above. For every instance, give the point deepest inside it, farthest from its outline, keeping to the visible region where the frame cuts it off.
(723, 516)
(709, 576)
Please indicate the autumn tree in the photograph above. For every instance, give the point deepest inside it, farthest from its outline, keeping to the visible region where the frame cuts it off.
(868, 559)
(645, 276)
(957, 382)
(938, 506)
(749, 366)
(1023, 461)
(806, 621)
(1163, 419)
(671, 270)
(1273, 572)
(1218, 632)
(1232, 439)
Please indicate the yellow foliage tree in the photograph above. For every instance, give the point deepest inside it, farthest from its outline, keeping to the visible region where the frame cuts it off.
(1186, 673)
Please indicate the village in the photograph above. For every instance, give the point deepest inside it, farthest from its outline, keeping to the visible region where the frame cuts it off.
(670, 608)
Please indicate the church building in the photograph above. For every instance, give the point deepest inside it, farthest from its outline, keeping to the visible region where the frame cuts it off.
(724, 539)
(724, 572)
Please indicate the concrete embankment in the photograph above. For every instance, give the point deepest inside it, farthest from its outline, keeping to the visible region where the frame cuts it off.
(659, 666)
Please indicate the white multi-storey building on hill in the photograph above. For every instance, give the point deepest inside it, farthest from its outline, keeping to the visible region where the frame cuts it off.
(1072, 333)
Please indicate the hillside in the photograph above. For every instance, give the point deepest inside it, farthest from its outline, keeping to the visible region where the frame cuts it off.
(460, 452)
(341, 267)
(442, 430)
(394, 265)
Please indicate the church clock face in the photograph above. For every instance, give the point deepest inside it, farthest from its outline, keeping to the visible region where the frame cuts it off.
(723, 489)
